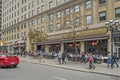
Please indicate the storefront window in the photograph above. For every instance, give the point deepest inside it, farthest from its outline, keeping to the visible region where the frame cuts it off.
(96, 47)
(54, 48)
(69, 48)
(41, 47)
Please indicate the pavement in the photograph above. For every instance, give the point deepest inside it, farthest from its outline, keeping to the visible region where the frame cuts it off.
(76, 66)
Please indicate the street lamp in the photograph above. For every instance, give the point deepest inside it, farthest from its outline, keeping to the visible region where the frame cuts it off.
(74, 39)
(23, 38)
(112, 26)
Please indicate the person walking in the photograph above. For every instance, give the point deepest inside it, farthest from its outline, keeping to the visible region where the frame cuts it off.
(59, 57)
(63, 58)
(41, 57)
(114, 60)
(109, 60)
(91, 62)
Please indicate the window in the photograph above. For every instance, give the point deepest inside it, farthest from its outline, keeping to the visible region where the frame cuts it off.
(38, 20)
(88, 4)
(24, 16)
(58, 26)
(33, 12)
(67, 11)
(33, 3)
(58, 2)
(58, 14)
(42, 8)
(32, 23)
(18, 19)
(29, 14)
(102, 1)
(38, 10)
(42, 19)
(67, 24)
(42, 29)
(77, 8)
(51, 4)
(51, 17)
(66, 0)
(38, 2)
(29, 6)
(24, 8)
(117, 12)
(102, 16)
(88, 19)
(18, 12)
(29, 24)
(77, 22)
(51, 27)
(21, 26)
(24, 25)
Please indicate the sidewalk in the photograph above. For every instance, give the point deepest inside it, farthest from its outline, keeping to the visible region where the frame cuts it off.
(77, 66)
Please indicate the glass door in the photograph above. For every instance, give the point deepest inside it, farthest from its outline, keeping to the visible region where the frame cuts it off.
(117, 50)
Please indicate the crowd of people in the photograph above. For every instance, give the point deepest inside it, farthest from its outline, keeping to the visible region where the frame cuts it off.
(82, 58)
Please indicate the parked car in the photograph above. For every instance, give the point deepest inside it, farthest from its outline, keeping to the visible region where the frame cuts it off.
(8, 60)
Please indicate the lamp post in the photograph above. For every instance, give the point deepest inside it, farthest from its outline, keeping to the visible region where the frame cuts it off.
(112, 26)
(23, 38)
(74, 39)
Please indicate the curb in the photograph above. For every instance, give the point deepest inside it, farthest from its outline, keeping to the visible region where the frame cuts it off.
(73, 69)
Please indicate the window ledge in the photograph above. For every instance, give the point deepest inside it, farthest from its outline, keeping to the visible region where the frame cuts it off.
(102, 4)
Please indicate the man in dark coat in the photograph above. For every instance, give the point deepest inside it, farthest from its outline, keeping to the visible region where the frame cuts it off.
(114, 60)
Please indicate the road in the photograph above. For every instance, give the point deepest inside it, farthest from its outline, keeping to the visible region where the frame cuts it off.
(30, 71)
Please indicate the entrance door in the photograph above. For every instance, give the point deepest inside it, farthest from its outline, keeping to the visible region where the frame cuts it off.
(117, 50)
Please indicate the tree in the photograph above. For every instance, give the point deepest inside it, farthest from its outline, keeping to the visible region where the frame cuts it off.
(37, 36)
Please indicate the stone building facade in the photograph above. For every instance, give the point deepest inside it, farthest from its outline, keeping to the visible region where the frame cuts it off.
(71, 25)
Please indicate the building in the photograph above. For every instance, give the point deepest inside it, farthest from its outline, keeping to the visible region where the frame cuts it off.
(0, 19)
(66, 22)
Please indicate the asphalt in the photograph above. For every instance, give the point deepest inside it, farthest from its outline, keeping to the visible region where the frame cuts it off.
(76, 66)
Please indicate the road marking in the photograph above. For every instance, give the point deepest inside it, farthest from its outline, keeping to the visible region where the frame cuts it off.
(59, 78)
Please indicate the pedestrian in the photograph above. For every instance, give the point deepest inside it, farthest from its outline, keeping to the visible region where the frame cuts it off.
(59, 57)
(41, 57)
(91, 62)
(109, 60)
(114, 60)
(100, 58)
(63, 58)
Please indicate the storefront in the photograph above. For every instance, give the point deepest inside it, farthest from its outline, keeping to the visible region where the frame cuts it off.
(41, 47)
(97, 46)
(19, 47)
(92, 40)
(70, 47)
(54, 47)
(116, 44)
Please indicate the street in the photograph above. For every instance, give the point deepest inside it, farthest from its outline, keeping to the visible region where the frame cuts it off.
(30, 71)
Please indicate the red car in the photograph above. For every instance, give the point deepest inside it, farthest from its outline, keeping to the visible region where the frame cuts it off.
(8, 60)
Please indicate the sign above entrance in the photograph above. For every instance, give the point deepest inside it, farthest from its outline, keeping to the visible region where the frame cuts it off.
(92, 32)
(55, 37)
(85, 33)
(79, 34)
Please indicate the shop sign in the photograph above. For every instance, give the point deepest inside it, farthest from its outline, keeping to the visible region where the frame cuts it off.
(92, 32)
(56, 37)
(85, 33)
(67, 36)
